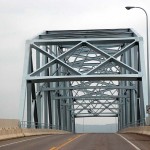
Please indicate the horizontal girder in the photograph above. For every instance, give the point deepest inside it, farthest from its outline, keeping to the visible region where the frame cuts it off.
(82, 116)
(120, 77)
(86, 87)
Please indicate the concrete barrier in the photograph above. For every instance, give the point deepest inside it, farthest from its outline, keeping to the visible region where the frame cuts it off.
(138, 130)
(9, 133)
(18, 132)
(9, 123)
(9, 128)
(31, 132)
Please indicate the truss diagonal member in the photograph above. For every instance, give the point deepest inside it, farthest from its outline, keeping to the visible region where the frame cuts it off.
(99, 51)
(123, 50)
(68, 67)
(42, 51)
(84, 107)
(114, 102)
(43, 68)
(121, 64)
(62, 56)
(106, 107)
(99, 66)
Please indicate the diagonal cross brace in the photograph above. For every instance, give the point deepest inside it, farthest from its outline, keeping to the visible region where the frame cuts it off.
(62, 56)
(42, 51)
(113, 58)
(55, 60)
(89, 45)
(125, 49)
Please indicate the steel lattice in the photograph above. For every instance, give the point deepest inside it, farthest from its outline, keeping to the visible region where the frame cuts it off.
(84, 73)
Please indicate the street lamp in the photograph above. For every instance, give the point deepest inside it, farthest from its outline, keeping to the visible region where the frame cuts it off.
(131, 7)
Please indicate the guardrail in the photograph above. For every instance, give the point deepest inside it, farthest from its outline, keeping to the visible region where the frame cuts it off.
(38, 125)
(137, 123)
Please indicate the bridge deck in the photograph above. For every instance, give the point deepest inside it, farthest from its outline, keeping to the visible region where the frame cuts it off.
(79, 141)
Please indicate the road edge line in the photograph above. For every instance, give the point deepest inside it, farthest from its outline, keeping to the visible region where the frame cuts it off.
(4, 145)
(137, 148)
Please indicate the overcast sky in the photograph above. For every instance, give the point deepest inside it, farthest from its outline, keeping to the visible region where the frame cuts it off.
(23, 19)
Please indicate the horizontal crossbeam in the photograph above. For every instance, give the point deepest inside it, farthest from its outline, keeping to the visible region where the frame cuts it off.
(124, 77)
(86, 87)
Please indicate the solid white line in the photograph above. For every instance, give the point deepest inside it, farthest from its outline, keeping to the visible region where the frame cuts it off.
(129, 142)
(23, 141)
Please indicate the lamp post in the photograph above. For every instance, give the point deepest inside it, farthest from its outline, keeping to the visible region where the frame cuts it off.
(131, 7)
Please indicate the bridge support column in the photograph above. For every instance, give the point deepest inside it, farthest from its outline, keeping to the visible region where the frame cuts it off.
(143, 84)
(39, 94)
(29, 119)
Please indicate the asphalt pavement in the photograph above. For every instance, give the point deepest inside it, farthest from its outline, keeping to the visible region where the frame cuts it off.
(92, 141)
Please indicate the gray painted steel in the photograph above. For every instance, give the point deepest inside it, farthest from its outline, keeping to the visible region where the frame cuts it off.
(84, 73)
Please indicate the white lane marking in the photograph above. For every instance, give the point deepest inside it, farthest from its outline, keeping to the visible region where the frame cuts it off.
(129, 142)
(23, 141)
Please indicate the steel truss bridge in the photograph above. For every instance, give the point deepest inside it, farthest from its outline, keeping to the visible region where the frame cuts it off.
(83, 73)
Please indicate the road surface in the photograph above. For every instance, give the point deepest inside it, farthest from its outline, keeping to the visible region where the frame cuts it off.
(93, 141)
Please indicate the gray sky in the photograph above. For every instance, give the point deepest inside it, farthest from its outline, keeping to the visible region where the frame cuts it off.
(23, 19)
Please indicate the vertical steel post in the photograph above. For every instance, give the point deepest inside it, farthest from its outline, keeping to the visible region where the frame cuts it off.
(68, 107)
(24, 82)
(45, 94)
(38, 90)
(50, 112)
(144, 100)
(123, 93)
(29, 119)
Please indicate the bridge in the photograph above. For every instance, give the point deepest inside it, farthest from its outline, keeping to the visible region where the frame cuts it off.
(71, 74)
(84, 73)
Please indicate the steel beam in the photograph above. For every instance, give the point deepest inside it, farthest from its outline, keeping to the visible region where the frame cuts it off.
(129, 77)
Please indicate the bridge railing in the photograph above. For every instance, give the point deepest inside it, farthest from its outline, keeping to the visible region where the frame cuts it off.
(140, 122)
(37, 125)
